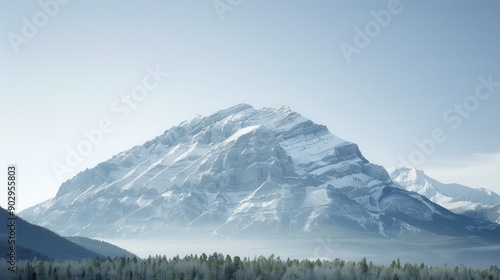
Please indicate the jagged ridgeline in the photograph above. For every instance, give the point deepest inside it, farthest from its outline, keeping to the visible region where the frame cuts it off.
(245, 172)
(478, 203)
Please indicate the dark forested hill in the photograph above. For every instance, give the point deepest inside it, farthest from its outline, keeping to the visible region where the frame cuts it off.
(43, 241)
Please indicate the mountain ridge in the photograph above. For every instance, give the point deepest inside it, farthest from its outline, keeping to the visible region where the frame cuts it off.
(243, 171)
(478, 203)
(39, 241)
(101, 247)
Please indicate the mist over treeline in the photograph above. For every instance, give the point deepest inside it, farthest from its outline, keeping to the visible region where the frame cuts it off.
(219, 266)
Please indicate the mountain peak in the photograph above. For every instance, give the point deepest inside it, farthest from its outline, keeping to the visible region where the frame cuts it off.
(284, 108)
(407, 173)
(239, 171)
(235, 109)
(455, 197)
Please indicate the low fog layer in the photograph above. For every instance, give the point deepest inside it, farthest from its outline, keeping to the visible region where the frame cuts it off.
(379, 251)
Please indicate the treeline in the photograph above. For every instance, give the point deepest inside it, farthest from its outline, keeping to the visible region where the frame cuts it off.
(218, 266)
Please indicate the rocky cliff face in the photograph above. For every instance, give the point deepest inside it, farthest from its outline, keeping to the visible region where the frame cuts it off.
(243, 171)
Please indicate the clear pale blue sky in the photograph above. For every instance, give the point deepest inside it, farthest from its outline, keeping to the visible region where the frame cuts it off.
(65, 78)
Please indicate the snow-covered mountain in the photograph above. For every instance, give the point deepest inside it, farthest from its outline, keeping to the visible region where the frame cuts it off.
(244, 172)
(477, 203)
